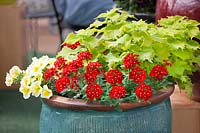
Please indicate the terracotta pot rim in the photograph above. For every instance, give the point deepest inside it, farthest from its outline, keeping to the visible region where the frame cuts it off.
(80, 104)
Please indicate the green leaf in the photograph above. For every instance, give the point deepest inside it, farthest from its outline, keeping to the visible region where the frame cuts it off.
(112, 60)
(197, 60)
(194, 45)
(177, 44)
(167, 22)
(68, 54)
(162, 51)
(97, 23)
(187, 85)
(178, 68)
(183, 54)
(146, 54)
(72, 38)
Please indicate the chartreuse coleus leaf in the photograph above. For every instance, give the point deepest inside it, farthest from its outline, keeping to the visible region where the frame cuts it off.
(194, 45)
(114, 16)
(111, 31)
(146, 53)
(188, 27)
(69, 54)
(113, 61)
(177, 44)
(72, 38)
(185, 83)
(108, 14)
(197, 60)
(161, 51)
(179, 68)
(121, 43)
(170, 21)
(183, 54)
(90, 42)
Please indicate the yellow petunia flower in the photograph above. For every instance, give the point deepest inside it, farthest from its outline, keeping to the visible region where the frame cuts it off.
(15, 71)
(46, 92)
(26, 91)
(38, 77)
(9, 80)
(51, 62)
(36, 89)
(26, 81)
(43, 61)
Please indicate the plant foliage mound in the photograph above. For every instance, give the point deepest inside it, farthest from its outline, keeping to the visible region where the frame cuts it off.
(119, 59)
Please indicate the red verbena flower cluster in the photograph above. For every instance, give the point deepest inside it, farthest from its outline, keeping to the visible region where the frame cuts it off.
(62, 84)
(144, 91)
(49, 73)
(138, 75)
(93, 91)
(158, 72)
(118, 92)
(115, 77)
(130, 61)
(66, 73)
(72, 46)
(85, 55)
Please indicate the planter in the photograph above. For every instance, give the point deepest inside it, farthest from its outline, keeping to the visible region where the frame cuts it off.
(61, 114)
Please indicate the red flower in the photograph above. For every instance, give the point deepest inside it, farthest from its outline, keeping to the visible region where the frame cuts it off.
(59, 63)
(91, 76)
(114, 77)
(49, 73)
(168, 63)
(144, 91)
(74, 82)
(72, 67)
(76, 64)
(94, 66)
(72, 46)
(93, 91)
(130, 61)
(86, 55)
(158, 72)
(117, 92)
(62, 84)
(66, 71)
(138, 75)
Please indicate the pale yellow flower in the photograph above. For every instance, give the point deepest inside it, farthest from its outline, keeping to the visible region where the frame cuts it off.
(37, 77)
(15, 71)
(9, 80)
(26, 80)
(43, 62)
(46, 92)
(25, 90)
(36, 89)
(35, 69)
(34, 59)
(51, 62)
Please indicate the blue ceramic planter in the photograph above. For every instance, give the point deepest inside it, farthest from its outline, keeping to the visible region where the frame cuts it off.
(149, 119)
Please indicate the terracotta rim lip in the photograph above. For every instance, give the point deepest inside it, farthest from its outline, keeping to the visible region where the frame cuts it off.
(79, 104)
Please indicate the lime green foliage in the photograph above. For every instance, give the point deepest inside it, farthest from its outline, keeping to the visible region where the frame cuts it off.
(110, 40)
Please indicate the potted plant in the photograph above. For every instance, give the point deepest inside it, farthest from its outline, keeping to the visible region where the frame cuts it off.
(114, 64)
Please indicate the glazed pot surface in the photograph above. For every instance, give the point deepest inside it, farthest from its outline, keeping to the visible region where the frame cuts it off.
(152, 118)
